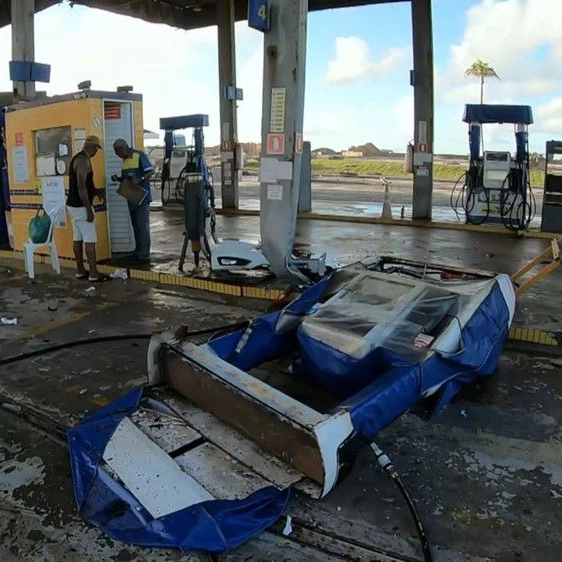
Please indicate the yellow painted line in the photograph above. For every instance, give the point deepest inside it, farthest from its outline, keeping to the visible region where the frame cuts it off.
(532, 335)
(250, 291)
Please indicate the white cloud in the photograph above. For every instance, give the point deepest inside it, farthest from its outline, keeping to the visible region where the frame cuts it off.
(520, 39)
(548, 117)
(353, 61)
(175, 70)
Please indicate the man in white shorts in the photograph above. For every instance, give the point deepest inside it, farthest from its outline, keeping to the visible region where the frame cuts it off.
(79, 204)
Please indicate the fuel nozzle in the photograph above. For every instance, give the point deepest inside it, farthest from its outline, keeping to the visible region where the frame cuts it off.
(383, 460)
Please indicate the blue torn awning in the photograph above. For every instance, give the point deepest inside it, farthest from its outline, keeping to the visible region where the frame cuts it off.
(215, 525)
(487, 113)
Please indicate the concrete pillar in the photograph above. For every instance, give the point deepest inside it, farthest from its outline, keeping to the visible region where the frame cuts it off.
(305, 192)
(282, 126)
(227, 78)
(422, 81)
(23, 43)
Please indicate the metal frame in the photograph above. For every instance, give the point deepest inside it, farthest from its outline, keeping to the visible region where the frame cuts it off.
(551, 254)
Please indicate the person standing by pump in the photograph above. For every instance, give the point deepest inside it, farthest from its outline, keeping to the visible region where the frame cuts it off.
(79, 204)
(136, 171)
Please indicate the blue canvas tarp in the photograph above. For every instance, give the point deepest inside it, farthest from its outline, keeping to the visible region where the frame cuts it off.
(213, 526)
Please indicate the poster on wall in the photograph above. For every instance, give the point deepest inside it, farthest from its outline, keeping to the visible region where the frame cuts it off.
(21, 167)
(54, 198)
(79, 139)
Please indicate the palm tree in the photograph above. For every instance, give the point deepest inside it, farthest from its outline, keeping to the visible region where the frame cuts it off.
(483, 70)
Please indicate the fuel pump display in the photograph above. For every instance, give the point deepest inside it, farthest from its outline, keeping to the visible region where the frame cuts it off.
(496, 187)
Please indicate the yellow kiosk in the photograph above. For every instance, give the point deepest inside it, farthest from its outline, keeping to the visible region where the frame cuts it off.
(43, 135)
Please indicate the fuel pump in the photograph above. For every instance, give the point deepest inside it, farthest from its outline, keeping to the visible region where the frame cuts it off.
(193, 184)
(496, 187)
(552, 199)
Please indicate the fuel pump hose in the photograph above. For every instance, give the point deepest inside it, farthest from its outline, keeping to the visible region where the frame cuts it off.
(386, 465)
(110, 338)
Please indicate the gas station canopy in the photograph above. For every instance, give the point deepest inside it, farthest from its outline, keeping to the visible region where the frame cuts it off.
(182, 14)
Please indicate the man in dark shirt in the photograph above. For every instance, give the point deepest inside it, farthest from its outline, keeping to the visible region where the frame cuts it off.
(137, 168)
(79, 204)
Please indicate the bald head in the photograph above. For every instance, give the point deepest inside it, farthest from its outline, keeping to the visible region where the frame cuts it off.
(121, 148)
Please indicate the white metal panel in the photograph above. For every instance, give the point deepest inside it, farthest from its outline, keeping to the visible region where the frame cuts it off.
(247, 452)
(220, 474)
(152, 476)
(120, 229)
(168, 432)
(331, 434)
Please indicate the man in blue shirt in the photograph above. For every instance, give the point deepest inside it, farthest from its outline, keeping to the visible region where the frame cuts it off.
(136, 167)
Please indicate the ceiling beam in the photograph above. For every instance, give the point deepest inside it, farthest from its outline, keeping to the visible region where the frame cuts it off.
(175, 13)
(6, 9)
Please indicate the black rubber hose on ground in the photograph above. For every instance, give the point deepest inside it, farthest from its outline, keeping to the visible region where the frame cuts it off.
(116, 337)
(386, 465)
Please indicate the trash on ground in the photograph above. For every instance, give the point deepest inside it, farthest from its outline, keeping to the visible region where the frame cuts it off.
(119, 274)
(288, 529)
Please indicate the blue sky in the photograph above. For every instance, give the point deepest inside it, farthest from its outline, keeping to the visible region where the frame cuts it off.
(357, 76)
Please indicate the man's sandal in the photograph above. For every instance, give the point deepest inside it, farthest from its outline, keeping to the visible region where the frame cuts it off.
(101, 279)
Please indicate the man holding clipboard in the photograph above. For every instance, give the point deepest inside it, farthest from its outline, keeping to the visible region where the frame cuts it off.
(134, 186)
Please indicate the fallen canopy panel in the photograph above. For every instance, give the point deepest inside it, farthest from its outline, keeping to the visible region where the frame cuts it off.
(380, 370)
(215, 525)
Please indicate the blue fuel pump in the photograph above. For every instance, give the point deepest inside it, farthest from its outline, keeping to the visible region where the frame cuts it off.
(193, 184)
(496, 188)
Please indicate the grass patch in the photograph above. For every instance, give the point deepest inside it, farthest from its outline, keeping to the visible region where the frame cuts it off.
(391, 168)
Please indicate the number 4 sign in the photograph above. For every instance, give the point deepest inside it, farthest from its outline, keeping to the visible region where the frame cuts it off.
(258, 14)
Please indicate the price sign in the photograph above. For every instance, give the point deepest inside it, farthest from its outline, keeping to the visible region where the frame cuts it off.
(258, 14)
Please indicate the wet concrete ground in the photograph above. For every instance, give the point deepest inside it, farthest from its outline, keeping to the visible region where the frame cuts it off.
(486, 474)
(364, 197)
(350, 242)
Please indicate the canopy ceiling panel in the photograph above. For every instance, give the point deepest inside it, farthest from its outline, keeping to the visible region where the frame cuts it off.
(183, 14)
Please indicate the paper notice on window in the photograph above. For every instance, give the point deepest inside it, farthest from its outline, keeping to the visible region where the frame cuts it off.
(45, 165)
(275, 192)
(20, 164)
(54, 198)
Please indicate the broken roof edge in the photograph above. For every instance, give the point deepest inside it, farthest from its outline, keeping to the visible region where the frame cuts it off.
(183, 17)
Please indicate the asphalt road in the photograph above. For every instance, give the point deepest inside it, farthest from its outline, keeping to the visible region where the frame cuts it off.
(363, 196)
(358, 190)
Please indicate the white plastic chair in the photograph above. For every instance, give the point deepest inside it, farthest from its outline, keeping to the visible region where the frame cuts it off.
(29, 247)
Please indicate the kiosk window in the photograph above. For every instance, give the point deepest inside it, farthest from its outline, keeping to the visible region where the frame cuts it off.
(52, 151)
